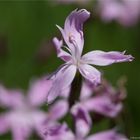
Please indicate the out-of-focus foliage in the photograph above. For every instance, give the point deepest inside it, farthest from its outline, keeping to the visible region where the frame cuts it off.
(26, 30)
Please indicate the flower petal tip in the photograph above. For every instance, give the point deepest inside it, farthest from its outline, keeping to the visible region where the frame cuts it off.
(130, 58)
(48, 102)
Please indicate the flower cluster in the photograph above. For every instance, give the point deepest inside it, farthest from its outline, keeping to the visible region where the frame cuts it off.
(106, 102)
(95, 96)
(24, 115)
(103, 100)
(120, 11)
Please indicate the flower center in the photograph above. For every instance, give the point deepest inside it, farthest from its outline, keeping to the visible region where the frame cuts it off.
(77, 62)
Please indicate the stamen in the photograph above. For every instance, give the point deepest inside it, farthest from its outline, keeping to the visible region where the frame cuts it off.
(72, 41)
(67, 49)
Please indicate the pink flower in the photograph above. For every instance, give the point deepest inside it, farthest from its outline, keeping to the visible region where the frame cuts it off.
(83, 125)
(104, 100)
(120, 11)
(74, 39)
(107, 135)
(82, 129)
(62, 132)
(58, 132)
(55, 112)
(83, 121)
(24, 113)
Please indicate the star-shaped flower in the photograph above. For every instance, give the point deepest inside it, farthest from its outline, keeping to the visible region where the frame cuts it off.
(74, 39)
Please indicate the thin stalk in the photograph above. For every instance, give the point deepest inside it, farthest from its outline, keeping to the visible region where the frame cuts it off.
(75, 90)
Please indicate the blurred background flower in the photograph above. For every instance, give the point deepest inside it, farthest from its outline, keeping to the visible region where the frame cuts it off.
(24, 114)
(125, 12)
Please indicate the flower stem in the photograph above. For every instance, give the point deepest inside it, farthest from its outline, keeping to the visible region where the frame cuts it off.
(75, 89)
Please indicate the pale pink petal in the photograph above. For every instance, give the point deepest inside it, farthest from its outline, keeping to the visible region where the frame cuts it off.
(4, 124)
(107, 135)
(103, 105)
(38, 91)
(65, 93)
(59, 132)
(21, 133)
(86, 91)
(102, 58)
(118, 10)
(58, 110)
(82, 120)
(73, 30)
(38, 117)
(61, 80)
(22, 122)
(61, 53)
(90, 73)
(11, 98)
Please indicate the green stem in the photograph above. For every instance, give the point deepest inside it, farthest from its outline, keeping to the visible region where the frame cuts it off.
(75, 89)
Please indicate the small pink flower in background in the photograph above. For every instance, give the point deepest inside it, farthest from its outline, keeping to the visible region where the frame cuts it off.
(83, 121)
(126, 12)
(83, 125)
(24, 114)
(74, 39)
(58, 132)
(55, 113)
(82, 128)
(58, 110)
(62, 132)
(104, 99)
(107, 135)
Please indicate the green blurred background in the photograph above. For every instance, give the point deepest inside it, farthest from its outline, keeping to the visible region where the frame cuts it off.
(26, 51)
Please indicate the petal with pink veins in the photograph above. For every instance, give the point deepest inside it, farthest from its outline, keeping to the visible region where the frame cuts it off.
(102, 58)
(61, 80)
(73, 30)
(103, 105)
(82, 120)
(90, 73)
(60, 52)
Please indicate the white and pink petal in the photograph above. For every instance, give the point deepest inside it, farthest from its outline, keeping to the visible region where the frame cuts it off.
(107, 135)
(61, 81)
(4, 124)
(103, 105)
(11, 98)
(38, 91)
(90, 73)
(60, 52)
(73, 30)
(82, 120)
(58, 110)
(86, 90)
(102, 58)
